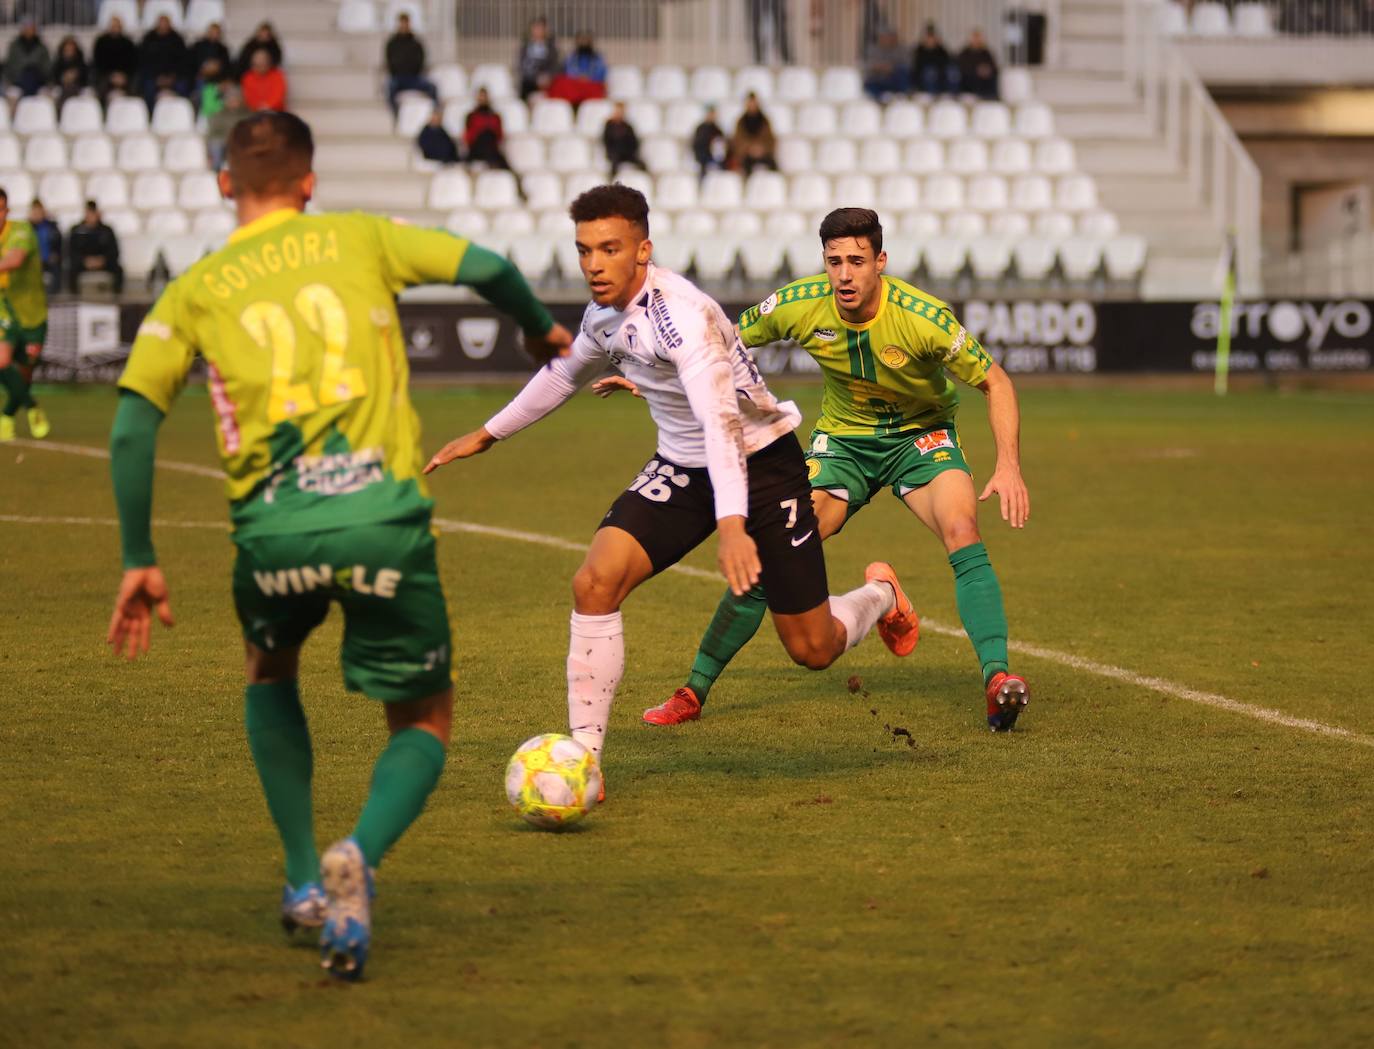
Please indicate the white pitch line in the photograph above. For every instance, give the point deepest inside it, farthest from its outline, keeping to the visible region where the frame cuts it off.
(1067, 659)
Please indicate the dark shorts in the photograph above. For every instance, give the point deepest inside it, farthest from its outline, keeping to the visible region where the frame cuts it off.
(671, 509)
(385, 577)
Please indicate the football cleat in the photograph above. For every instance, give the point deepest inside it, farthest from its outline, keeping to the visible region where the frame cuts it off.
(302, 908)
(6, 428)
(1007, 694)
(681, 706)
(900, 629)
(39, 426)
(347, 930)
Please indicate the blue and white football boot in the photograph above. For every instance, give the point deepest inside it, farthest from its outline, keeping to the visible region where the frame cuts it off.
(302, 908)
(347, 927)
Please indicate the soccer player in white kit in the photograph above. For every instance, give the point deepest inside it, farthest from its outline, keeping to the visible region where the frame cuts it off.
(727, 461)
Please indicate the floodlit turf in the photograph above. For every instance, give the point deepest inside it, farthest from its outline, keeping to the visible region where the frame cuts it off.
(1127, 869)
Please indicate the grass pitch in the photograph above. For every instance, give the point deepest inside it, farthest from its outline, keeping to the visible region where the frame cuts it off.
(1128, 868)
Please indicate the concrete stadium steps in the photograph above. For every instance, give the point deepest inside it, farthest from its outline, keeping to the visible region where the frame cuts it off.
(400, 192)
(295, 18)
(315, 84)
(362, 155)
(347, 121)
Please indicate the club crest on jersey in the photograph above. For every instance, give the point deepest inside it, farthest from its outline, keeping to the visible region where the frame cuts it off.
(813, 469)
(893, 356)
(824, 335)
(936, 439)
(769, 304)
(631, 337)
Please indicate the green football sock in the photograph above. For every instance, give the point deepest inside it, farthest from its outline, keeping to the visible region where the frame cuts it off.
(280, 742)
(16, 387)
(980, 607)
(737, 619)
(403, 778)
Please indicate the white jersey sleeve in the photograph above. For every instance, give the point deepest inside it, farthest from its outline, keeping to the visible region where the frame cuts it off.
(550, 387)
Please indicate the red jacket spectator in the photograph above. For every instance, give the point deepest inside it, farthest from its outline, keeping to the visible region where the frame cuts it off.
(482, 120)
(264, 86)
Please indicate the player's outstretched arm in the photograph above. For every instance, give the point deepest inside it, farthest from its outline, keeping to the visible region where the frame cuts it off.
(1004, 415)
(143, 590)
(498, 281)
(464, 447)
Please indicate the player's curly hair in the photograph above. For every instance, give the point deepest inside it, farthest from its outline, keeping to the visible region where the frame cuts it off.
(615, 201)
(269, 152)
(853, 222)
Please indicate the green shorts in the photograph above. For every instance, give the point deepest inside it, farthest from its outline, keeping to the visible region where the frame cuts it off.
(396, 643)
(27, 342)
(861, 466)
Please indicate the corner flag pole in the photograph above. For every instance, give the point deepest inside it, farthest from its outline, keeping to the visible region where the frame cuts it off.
(1228, 299)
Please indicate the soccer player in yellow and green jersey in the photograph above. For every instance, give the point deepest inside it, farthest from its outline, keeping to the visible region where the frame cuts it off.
(887, 351)
(23, 321)
(295, 320)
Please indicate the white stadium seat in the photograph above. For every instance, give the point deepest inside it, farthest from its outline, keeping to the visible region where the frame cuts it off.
(784, 225)
(664, 155)
(1055, 156)
(139, 153)
(1034, 120)
(126, 116)
(1124, 258)
(841, 84)
(795, 155)
(155, 9)
(81, 116)
(168, 222)
(1211, 19)
(945, 257)
(943, 192)
(924, 157)
(507, 223)
(574, 155)
(11, 153)
(1173, 19)
(1015, 86)
(988, 193)
(109, 189)
(1034, 257)
(412, 113)
(5, 118)
(695, 223)
(123, 221)
(991, 120)
(137, 254)
(810, 192)
(1251, 20)
(60, 191)
(632, 177)
(1011, 156)
(551, 118)
(514, 114)
(544, 191)
(680, 119)
(756, 80)
(989, 257)
(92, 153)
(19, 188)
(199, 15)
(47, 152)
(899, 192)
(1099, 225)
(742, 224)
(1054, 225)
(761, 258)
(947, 119)
(1080, 258)
(673, 251)
(903, 256)
(880, 156)
(467, 222)
(965, 224)
(496, 78)
(781, 116)
(527, 153)
(357, 16)
(624, 83)
(173, 115)
(1010, 225)
(181, 251)
(862, 119)
(532, 255)
(676, 191)
(666, 84)
(796, 84)
(125, 10)
(817, 120)
(152, 190)
(765, 191)
(903, 120)
(1031, 193)
(451, 188)
(644, 116)
(855, 190)
(836, 157)
(554, 223)
(213, 223)
(715, 257)
(35, 115)
(710, 83)
(198, 191)
(968, 156)
(592, 115)
(185, 153)
(1076, 193)
(722, 191)
(450, 80)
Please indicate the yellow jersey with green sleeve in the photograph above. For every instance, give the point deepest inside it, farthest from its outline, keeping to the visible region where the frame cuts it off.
(296, 321)
(22, 288)
(889, 375)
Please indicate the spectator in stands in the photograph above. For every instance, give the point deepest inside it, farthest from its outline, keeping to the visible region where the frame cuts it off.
(405, 64)
(27, 63)
(69, 74)
(622, 142)
(264, 85)
(218, 125)
(208, 95)
(583, 76)
(163, 62)
(435, 142)
(977, 67)
(483, 135)
(774, 12)
(49, 246)
(932, 71)
(114, 60)
(709, 146)
(210, 47)
(885, 68)
(92, 247)
(538, 61)
(754, 143)
(264, 38)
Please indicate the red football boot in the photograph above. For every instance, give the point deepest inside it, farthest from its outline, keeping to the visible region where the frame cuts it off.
(681, 706)
(900, 629)
(1007, 694)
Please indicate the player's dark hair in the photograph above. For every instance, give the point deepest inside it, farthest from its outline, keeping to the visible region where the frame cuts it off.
(616, 201)
(853, 222)
(269, 153)
(4, 196)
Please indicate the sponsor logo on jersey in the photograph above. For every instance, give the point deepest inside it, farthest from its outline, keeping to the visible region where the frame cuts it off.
(942, 457)
(307, 578)
(154, 329)
(957, 343)
(824, 334)
(477, 336)
(769, 304)
(930, 442)
(893, 356)
(663, 322)
(813, 469)
(339, 474)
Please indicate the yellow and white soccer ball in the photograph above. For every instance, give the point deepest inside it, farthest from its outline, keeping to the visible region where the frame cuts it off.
(552, 780)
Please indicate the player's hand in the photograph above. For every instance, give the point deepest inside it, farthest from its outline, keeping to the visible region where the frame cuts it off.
(464, 447)
(737, 556)
(609, 385)
(1007, 483)
(556, 342)
(141, 591)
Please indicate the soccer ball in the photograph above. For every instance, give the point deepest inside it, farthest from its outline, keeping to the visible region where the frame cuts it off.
(552, 780)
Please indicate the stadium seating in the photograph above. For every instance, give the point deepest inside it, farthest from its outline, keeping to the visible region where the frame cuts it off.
(91, 153)
(155, 9)
(81, 116)
(126, 116)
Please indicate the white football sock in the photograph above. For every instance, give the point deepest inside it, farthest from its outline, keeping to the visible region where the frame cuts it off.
(859, 609)
(596, 660)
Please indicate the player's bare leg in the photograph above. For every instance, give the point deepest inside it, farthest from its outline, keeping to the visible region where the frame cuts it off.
(948, 506)
(815, 639)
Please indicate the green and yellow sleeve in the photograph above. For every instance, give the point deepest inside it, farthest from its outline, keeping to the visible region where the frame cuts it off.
(963, 356)
(757, 324)
(162, 354)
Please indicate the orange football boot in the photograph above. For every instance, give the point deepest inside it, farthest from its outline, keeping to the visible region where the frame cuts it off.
(1007, 694)
(900, 629)
(681, 706)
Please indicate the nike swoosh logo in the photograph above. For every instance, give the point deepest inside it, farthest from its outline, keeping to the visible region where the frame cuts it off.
(607, 334)
(798, 542)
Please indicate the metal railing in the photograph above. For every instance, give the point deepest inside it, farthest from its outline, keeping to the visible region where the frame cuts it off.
(1220, 172)
(1335, 18)
(75, 13)
(1341, 268)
